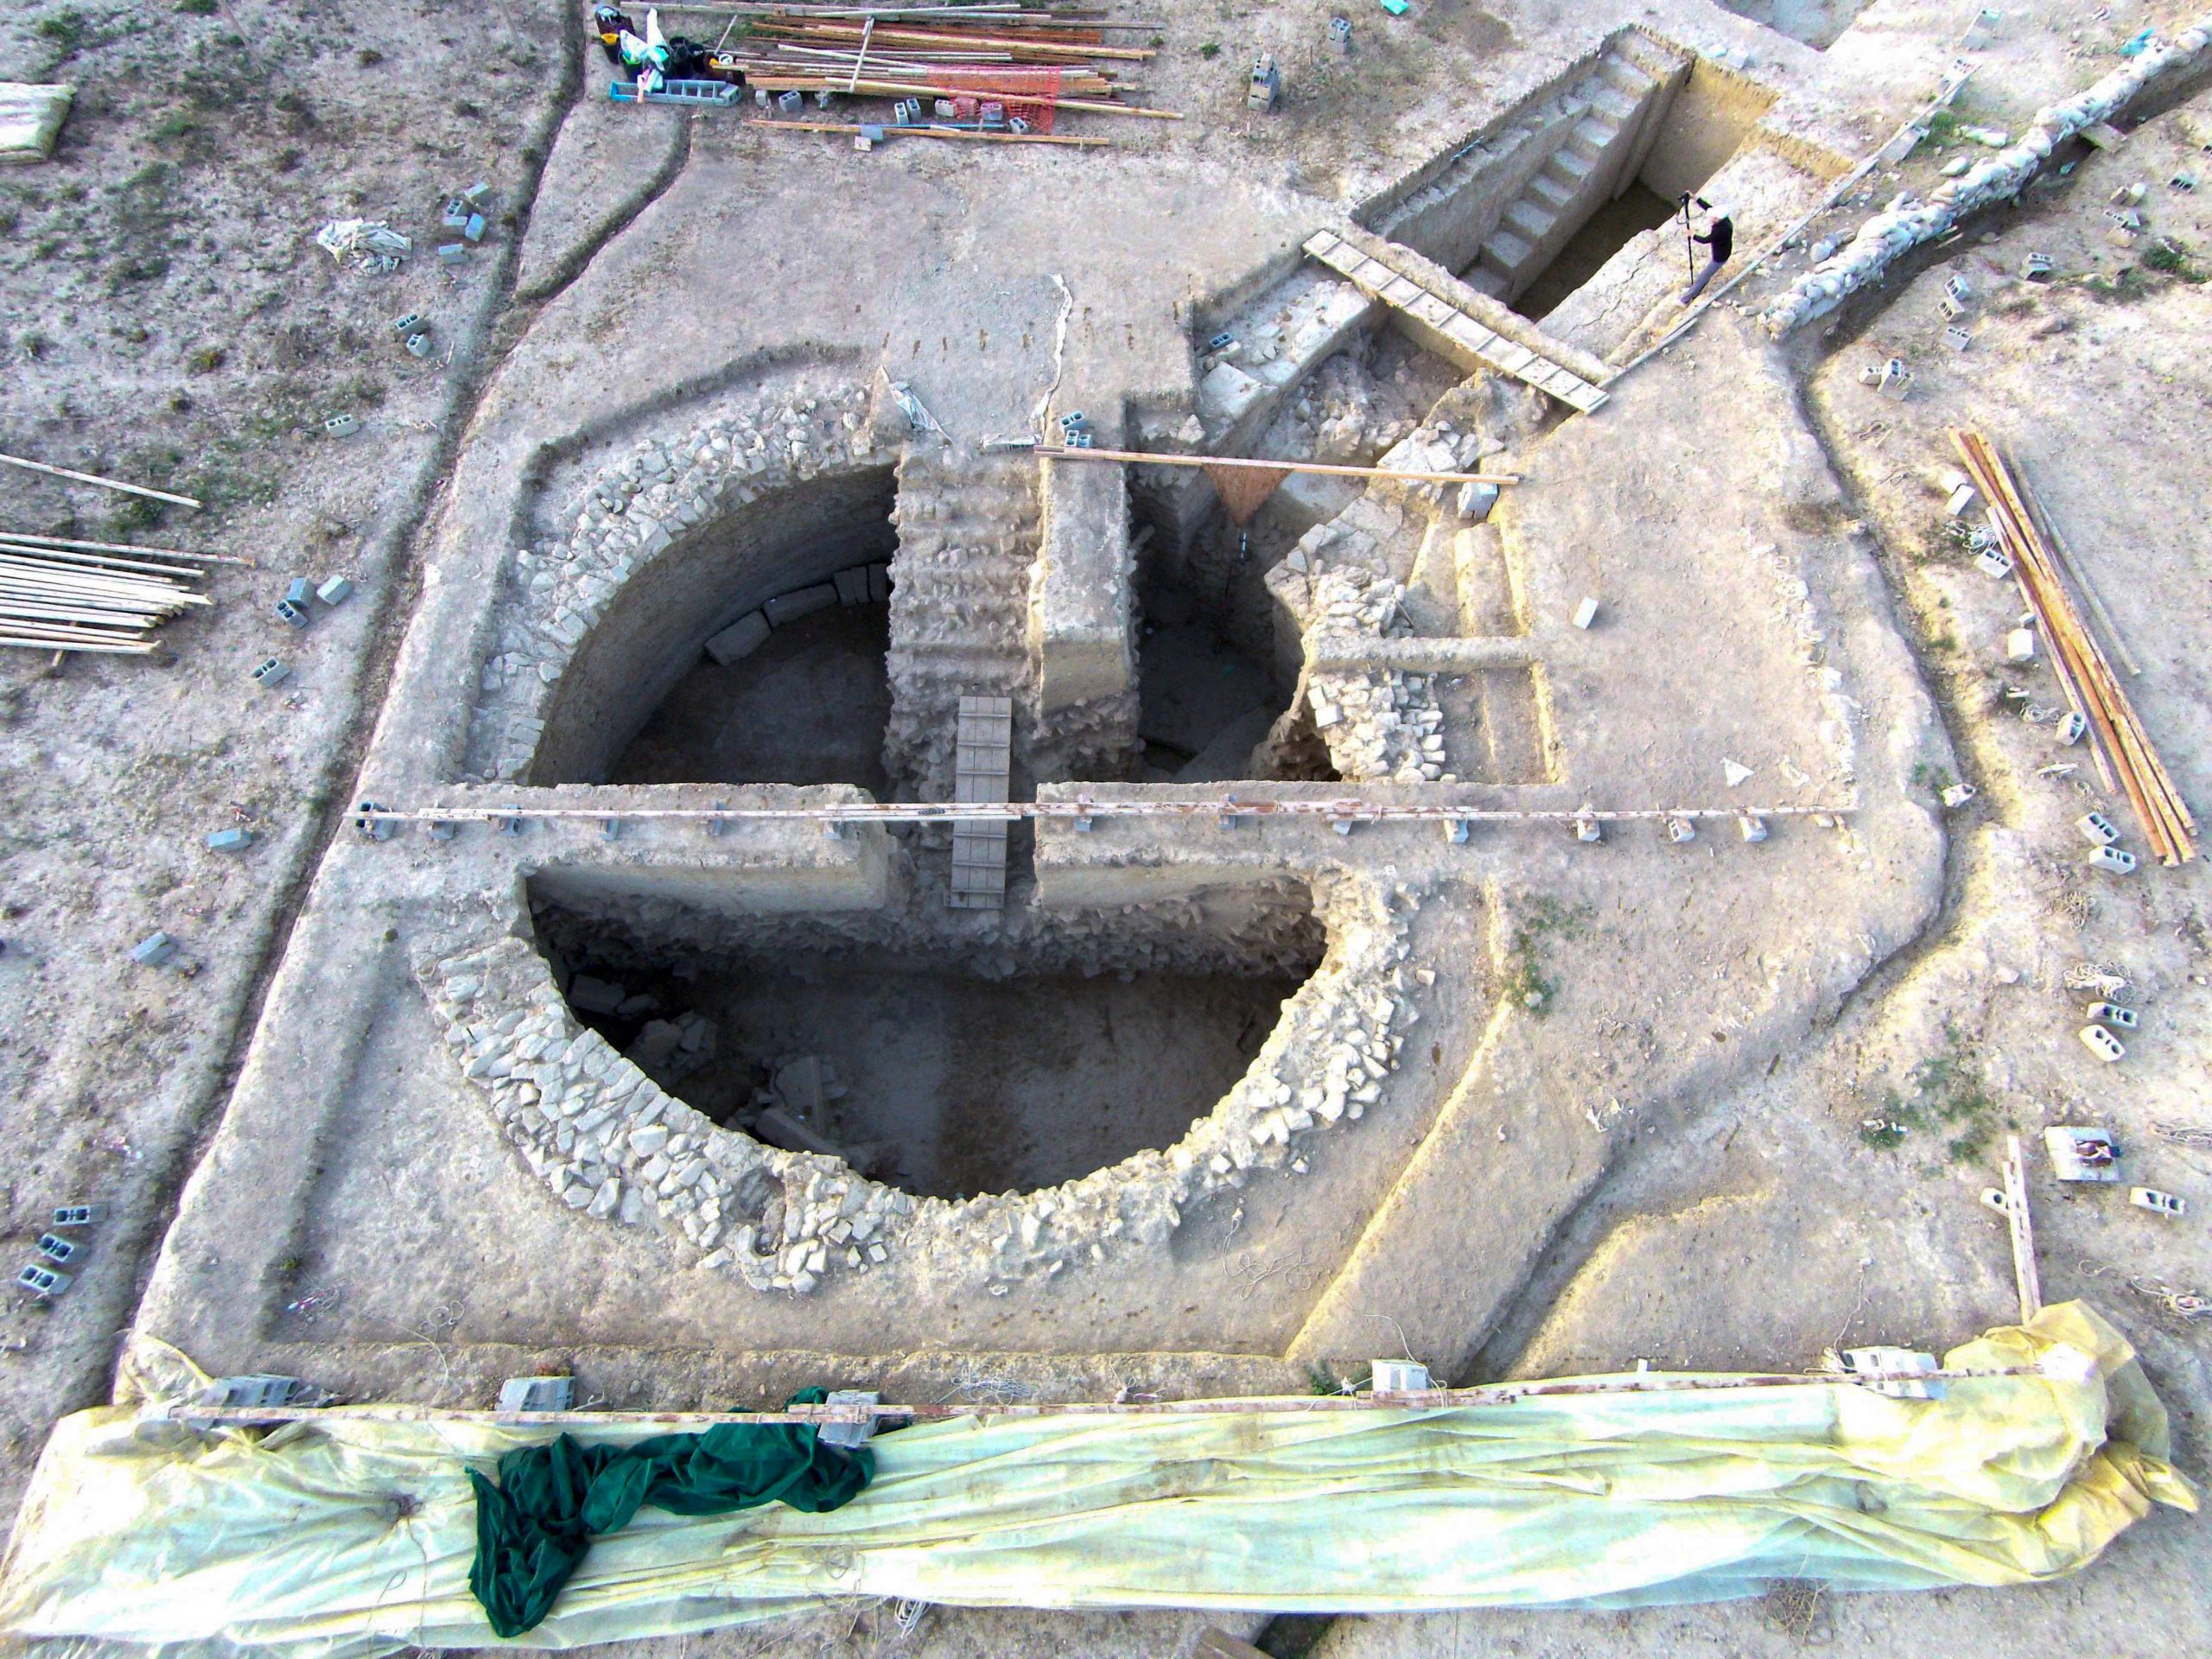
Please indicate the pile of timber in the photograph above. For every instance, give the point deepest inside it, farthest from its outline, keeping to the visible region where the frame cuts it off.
(2085, 674)
(1019, 55)
(95, 596)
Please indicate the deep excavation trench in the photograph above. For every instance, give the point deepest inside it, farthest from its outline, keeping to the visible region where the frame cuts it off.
(923, 1067)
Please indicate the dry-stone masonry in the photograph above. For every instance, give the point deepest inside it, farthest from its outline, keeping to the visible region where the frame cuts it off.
(611, 1143)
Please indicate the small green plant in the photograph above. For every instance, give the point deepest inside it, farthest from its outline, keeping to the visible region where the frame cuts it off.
(196, 8)
(1943, 130)
(1947, 1092)
(2171, 258)
(205, 359)
(1524, 982)
(33, 344)
(66, 28)
(1210, 50)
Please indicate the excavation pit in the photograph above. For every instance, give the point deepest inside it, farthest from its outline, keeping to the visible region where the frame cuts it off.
(923, 1067)
(1537, 206)
(641, 700)
(808, 705)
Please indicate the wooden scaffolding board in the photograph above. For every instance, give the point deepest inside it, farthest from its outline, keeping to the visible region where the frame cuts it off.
(1395, 287)
(983, 762)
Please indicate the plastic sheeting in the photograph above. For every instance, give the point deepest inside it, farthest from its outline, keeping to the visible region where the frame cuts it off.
(349, 1536)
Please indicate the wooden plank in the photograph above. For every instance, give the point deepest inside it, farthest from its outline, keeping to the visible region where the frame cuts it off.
(1433, 311)
(2025, 1275)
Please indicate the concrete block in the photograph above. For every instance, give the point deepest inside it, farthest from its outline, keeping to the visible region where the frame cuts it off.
(2072, 729)
(454, 253)
(2111, 1014)
(154, 950)
(472, 228)
(785, 608)
(1586, 613)
(521, 1393)
(1476, 501)
(879, 584)
(78, 1215)
(42, 1282)
(2143, 1198)
(851, 585)
(741, 638)
(2102, 1043)
(229, 841)
(342, 426)
(1398, 1376)
(252, 1392)
(59, 1251)
(2096, 828)
(850, 1435)
(291, 614)
(270, 671)
(2112, 860)
(336, 591)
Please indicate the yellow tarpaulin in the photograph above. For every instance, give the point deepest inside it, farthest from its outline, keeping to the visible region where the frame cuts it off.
(352, 1537)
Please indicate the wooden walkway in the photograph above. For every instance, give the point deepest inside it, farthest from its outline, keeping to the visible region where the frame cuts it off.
(1395, 287)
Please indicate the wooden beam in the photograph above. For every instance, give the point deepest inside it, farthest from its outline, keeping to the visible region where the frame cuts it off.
(2024, 1274)
(1146, 457)
(26, 537)
(890, 132)
(104, 483)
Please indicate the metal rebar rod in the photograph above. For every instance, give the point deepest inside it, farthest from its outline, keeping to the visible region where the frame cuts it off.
(1145, 458)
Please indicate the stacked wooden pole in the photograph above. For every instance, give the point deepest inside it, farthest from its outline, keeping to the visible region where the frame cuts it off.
(1000, 55)
(2087, 677)
(65, 598)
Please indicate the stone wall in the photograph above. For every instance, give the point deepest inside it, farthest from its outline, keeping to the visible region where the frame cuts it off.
(769, 492)
(613, 1143)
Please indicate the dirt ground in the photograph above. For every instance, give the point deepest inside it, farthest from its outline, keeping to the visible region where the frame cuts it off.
(1818, 1067)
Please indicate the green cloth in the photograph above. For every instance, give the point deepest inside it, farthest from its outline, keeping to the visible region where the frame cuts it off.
(534, 1529)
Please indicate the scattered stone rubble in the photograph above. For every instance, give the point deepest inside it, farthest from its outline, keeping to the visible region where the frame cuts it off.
(1906, 222)
(626, 516)
(614, 1144)
(1378, 723)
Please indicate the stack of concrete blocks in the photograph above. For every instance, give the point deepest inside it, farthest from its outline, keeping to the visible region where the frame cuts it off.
(1905, 223)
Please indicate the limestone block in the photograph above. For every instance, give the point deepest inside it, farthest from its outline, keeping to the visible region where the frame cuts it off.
(786, 608)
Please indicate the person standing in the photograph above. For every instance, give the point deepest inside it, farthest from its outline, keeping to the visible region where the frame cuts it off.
(1720, 240)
